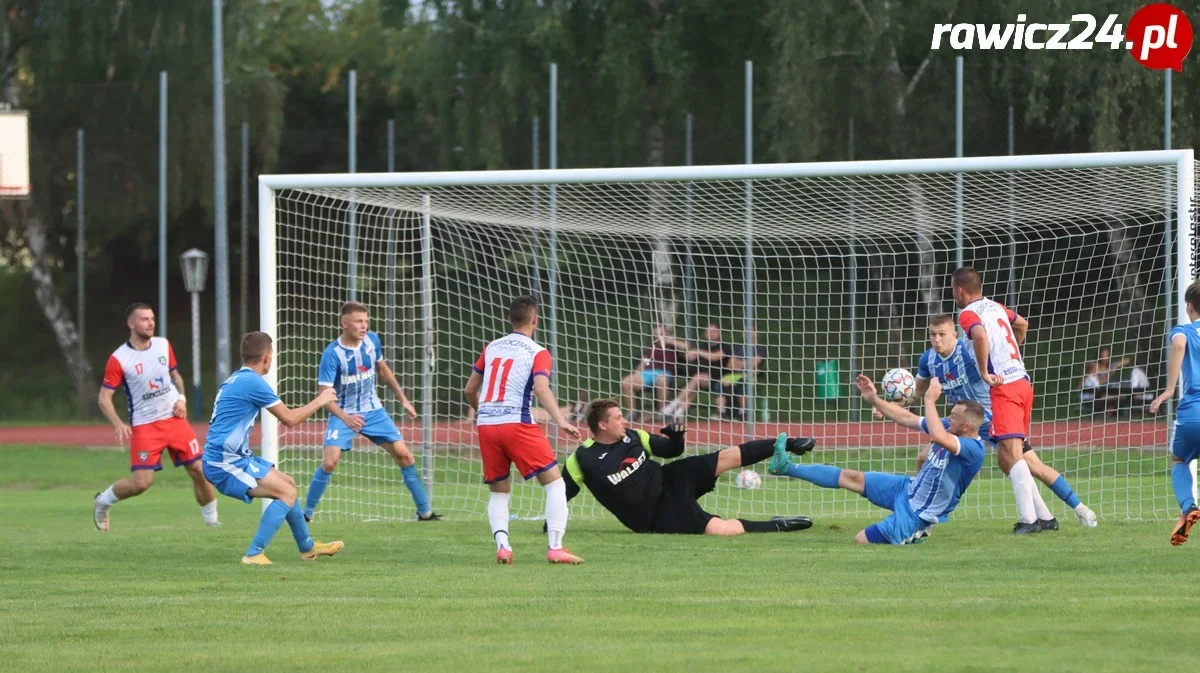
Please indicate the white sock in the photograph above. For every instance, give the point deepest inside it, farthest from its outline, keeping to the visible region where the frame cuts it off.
(107, 498)
(556, 512)
(1039, 505)
(1022, 483)
(497, 511)
(671, 408)
(209, 511)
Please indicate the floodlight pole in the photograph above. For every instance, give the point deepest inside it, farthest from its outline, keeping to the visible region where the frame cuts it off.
(195, 271)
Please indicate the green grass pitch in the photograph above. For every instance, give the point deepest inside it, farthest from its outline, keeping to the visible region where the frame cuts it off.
(163, 593)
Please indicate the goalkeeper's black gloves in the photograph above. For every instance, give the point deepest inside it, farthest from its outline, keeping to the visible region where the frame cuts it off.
(673, 431)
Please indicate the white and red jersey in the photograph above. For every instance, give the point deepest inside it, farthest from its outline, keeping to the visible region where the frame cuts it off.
(1004, 354)
(508, 366)
(146, 377)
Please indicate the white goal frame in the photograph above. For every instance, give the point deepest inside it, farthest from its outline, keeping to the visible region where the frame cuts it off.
(269, 185)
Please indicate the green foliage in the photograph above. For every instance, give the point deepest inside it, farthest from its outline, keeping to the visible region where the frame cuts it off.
(464, 80)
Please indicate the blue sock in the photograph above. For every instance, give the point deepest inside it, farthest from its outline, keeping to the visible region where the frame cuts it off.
(271, 520)
(1064, 492)
(825, 476)
(295, 519)
(415, 486)
(1181, 479)
(315, 490)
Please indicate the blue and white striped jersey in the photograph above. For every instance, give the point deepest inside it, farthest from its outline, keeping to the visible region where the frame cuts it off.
(944, 477)
(351, 373)
(960, 379)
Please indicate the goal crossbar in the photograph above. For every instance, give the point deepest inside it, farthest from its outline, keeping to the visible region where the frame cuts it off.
(565, 176)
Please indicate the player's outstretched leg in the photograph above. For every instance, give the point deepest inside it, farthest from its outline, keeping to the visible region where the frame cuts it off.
(782, 446)
(776, 524)
(1058, 484)
(758, 450)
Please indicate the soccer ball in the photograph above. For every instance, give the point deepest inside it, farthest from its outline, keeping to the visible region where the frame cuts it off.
(898, 385)
(748, 479)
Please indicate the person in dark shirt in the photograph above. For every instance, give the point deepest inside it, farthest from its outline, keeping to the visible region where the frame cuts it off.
(706, 364)
(655, 370)
(648, 497)
(731, 396)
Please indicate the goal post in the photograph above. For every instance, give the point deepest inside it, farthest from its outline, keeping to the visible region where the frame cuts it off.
(826, 269)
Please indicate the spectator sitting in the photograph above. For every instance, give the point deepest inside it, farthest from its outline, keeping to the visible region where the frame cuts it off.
(655, 369)
(706, 363)
(733, 386)
(1105, 366)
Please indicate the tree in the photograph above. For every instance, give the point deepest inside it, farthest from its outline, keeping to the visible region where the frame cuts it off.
(94, 64)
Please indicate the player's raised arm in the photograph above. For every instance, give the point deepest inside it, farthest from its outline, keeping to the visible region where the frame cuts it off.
(669, 443)
(292, 417)
(895, 412)
(1174, 367)
(933, 423)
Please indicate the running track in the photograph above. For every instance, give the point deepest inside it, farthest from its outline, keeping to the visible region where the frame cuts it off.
(1083, 434)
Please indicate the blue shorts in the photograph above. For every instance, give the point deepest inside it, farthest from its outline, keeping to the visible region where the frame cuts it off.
(890, 491)
(236, 478)
(649, 376)
(378, 428)
(1186, 444)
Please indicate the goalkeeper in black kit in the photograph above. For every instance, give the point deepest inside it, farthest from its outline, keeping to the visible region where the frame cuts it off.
(616, 466)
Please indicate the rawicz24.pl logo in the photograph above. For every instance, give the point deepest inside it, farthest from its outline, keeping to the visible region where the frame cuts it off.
(1158, 36)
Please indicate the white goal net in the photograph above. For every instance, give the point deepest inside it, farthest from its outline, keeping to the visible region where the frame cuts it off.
(813, 273)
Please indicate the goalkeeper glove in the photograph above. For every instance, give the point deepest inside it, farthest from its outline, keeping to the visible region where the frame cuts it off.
(673, 430)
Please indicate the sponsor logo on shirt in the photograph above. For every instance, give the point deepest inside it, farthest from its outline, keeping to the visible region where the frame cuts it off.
(363, 374)
(617, 478)
(158, 388)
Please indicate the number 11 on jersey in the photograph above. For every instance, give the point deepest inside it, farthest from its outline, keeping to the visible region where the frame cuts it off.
(496, 393)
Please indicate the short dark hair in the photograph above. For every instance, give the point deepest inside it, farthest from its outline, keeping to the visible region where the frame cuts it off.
(135, 306)
(974, 410)
(353, 307)
(598, 411)
(1192, 296)
(941, 319)
(255, 345)
(968, 279)
(522, 310)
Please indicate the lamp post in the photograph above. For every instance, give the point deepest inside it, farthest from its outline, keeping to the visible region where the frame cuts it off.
(195, 272)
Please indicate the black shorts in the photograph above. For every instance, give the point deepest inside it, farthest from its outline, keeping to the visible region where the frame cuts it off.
(684, 481)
